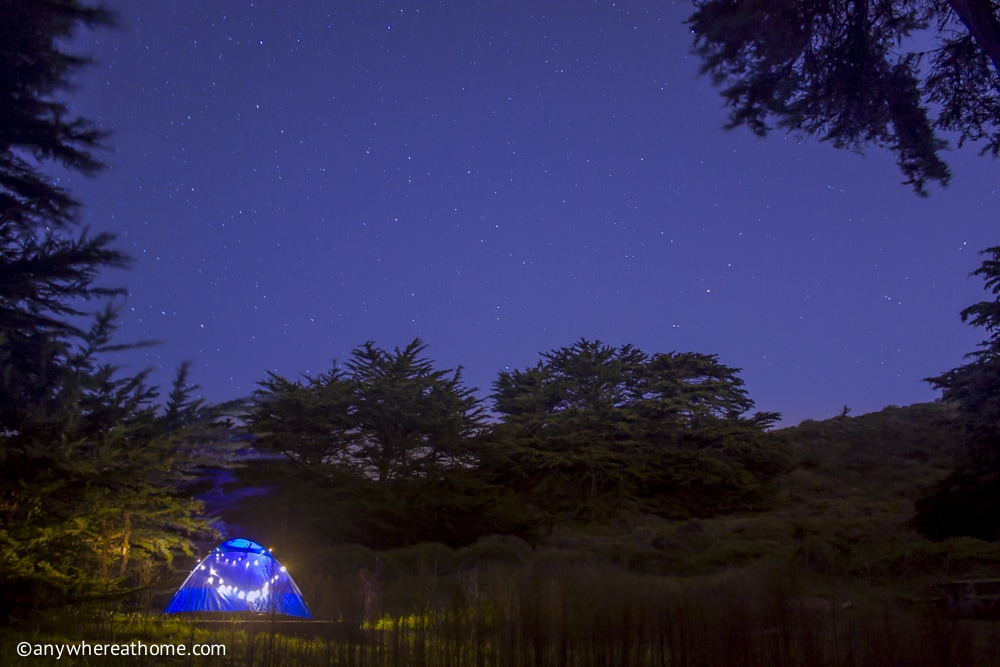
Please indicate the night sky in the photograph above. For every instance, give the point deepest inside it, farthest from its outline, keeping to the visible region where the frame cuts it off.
(500, 179)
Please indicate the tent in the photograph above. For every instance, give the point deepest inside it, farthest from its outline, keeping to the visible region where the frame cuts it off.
(239, 576)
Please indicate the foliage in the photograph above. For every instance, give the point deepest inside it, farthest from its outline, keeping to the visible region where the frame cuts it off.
(91, 495)
(849, 499)
(91, 484)
(390, 416)
(878, 451)
(859, 73)
(44, 267)
(389, 443)
(968, 502)
(593, 429)
(304, 510)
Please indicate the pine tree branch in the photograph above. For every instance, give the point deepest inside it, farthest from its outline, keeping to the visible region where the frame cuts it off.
(980, 18)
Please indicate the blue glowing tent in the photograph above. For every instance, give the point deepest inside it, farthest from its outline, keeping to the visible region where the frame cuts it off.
(239, 576)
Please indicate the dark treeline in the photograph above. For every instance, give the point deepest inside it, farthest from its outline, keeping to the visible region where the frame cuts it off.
(390, 451)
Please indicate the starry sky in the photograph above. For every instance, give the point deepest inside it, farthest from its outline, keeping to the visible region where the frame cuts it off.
(501, 178)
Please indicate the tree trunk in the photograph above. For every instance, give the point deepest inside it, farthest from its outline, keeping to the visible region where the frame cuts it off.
(981, 20)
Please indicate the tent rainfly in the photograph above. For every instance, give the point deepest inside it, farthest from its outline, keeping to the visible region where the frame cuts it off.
(239, 576)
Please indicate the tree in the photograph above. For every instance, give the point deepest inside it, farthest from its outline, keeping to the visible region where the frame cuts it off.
(45, 266)
(859, 73)
(91, 478)
(412, 420)
(968, 501)
(92, 493)
(390, 445)
(592, 429)
(390, 416)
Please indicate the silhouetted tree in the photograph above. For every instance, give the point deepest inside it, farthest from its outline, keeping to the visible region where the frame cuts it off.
(859, 73)
(90, 476)
(390, 445)
(389, 416)
(968, 501)
(593, 429)
(47, 267)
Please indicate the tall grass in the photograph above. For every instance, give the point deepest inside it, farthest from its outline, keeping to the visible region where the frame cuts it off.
(558, 611)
